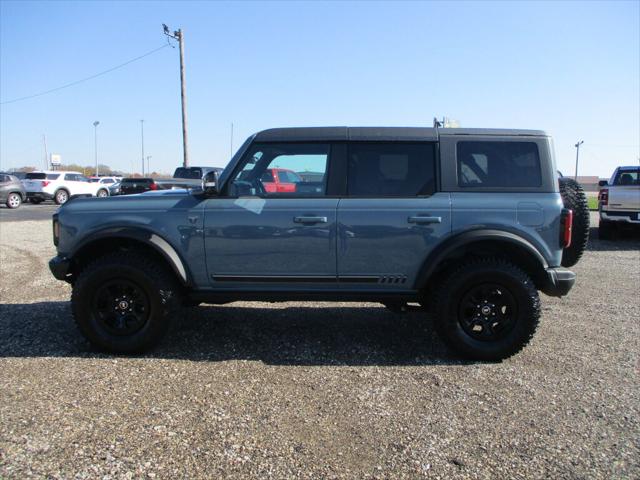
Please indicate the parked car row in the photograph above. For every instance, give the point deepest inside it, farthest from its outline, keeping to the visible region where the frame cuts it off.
(60, 186)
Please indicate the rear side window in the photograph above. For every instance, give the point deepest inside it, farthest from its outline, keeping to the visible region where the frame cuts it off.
(498, 164)
(391, 169)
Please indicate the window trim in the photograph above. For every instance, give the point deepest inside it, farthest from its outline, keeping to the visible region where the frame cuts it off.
(436, 168)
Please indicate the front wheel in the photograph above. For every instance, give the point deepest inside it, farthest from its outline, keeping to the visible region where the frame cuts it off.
(124, 302)
(487, 310)
(102, 193)
(14, 200)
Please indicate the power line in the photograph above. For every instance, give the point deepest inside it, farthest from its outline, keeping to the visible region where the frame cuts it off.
(87, 78)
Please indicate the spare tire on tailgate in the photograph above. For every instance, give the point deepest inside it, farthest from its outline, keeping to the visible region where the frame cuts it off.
(573, 197)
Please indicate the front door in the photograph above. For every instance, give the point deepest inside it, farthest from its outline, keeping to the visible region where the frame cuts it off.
(257, 237)
(392, 216)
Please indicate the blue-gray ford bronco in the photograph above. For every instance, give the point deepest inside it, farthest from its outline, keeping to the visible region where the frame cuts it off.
(468, 224)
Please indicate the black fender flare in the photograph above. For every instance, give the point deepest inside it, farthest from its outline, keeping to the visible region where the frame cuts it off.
(450, 244)
(144, 236)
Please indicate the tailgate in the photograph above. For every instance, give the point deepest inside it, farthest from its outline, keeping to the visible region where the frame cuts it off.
(32, 185)
(624, 197)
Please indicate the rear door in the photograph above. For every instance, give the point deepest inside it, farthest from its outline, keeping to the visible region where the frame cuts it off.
(392, 216)
(258, 237)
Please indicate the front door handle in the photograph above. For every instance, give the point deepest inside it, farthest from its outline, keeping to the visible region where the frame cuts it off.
(424, 220)
(310, 219)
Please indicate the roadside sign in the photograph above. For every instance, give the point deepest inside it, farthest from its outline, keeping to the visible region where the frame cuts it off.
(56, 160)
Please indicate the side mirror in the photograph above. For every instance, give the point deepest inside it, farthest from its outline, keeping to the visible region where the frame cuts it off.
(210, 183)
(603, 183)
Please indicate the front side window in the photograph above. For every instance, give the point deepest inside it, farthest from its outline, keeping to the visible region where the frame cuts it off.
(498, 164)
(71, 177)
(391, 169)
(290, 163)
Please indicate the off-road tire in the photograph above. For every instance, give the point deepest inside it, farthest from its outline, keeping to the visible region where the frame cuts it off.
(448, 304)
(573, 197)
(61, 196)
(160, 289)
(14, 200)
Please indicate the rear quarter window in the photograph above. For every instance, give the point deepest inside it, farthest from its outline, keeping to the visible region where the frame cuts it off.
(498, 164)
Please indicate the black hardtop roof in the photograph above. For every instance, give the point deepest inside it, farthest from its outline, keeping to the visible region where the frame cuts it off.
(407, 134)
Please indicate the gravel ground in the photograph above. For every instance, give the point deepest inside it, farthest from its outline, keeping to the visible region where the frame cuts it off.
(324, 390)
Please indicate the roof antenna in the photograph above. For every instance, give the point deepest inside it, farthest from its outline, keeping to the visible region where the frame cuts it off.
(436, 123)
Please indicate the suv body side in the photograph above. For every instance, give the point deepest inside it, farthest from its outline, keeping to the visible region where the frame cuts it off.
(48, 183)
(236, 246)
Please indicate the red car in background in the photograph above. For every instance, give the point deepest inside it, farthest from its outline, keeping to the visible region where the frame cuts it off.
(280, 180)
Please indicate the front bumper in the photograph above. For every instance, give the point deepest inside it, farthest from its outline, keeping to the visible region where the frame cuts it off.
(559, 282)
(60, 267)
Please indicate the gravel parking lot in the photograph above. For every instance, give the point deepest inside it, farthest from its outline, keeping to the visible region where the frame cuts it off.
(326, 390)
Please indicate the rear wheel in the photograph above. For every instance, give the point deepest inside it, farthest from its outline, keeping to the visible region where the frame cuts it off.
(124, 302)
(487, 310)
(61, 196)
(14, 200)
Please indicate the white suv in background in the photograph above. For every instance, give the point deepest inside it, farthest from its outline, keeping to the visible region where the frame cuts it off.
(59, 186)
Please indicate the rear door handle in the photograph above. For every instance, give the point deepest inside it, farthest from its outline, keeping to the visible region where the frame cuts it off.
(310, 219)
(424, 220)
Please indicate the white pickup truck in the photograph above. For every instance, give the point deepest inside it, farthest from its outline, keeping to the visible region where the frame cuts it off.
(619, 201)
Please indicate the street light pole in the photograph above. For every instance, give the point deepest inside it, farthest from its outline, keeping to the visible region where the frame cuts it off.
(95, 143)
(142, 143)
(577, 145)
(179, 36)
(148, 165)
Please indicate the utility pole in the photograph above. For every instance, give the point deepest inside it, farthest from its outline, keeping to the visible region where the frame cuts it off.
(577, 145)
(148, 164)
(46, 155)
(95, 143)
(179, 36)
(142, 143)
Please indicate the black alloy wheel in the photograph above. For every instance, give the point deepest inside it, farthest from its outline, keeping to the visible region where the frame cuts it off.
(121, 307)
(487, 312)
